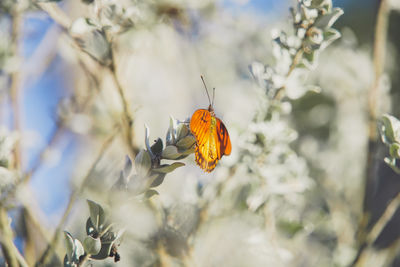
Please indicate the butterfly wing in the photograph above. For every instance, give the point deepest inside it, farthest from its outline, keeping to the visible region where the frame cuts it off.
(202, 125)
(224, 142)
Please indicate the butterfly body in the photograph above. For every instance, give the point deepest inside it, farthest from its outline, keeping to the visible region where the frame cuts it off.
(212, 138)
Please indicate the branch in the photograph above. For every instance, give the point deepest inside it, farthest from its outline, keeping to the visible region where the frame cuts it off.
(381, 29)
(373, 98)
(6, 239)
(367, 239)
(20, 258)
(15, 83)
(127, 118)
(383, 220)
(56, 14)
(377, 229)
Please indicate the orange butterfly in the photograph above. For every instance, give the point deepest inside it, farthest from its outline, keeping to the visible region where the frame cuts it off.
(212, 138)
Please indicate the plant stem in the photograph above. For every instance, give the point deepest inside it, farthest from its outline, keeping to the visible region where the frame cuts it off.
(377, 229)
(374, 99)
(15, 83)
(381, 29)
(367, 239)
(127, 119)
(6, 239)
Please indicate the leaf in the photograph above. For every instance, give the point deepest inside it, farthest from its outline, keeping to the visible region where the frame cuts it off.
(78, 250)
(166, 168)
(128, 166)
(104, 252)
(92, 245)
(90, 229)
(186, 143)
(157, 179)
(330, 35)
(97, 215)
(394, 150)
(390, 130)
(67, 262)
(147, 142)
(181, 131)
(69, 244)
(151, 192)
(157, 147)
(309, 59)
(170, 138)
(187, 152)
(92, 39)
(74, 249)
(326, 21)
(316, 3)
(170, 152)
(142, 163)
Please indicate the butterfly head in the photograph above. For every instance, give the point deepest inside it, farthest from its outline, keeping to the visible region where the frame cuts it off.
(211, 110)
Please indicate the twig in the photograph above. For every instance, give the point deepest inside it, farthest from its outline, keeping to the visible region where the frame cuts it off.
(381, 29)
(377, 228)
(366, 239)
(373, 93)
(383, 220)
(15, 83)
(21, 260)
(127, 118)
(56, 14)
(44, 259)
(373, 97)
(6, 239)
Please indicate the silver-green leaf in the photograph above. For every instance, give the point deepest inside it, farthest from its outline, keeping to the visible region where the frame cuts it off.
(326, 21)
(97, 215)
(170, 152)
(166, 168)
(143, 163)
(92, 245)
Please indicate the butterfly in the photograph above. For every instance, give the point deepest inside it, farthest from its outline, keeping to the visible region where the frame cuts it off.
(212, 138)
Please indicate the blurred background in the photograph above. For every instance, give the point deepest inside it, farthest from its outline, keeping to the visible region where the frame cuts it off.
(66, 104)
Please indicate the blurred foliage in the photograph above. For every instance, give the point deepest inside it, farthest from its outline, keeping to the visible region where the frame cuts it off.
(290, 194)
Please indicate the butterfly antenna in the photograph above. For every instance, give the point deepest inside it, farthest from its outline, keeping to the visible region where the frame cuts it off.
(205, 86)
(212, 103)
